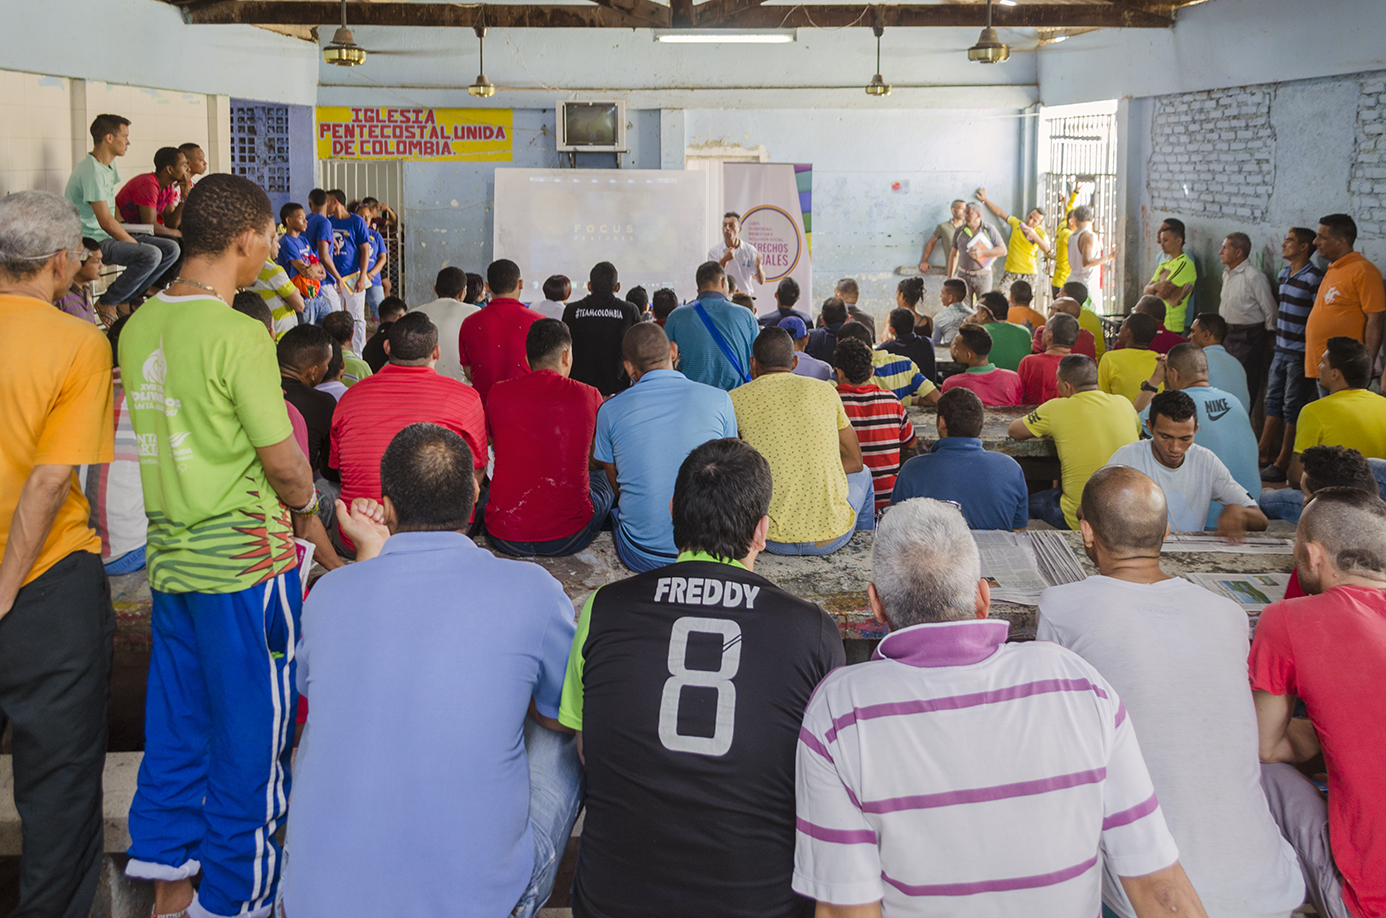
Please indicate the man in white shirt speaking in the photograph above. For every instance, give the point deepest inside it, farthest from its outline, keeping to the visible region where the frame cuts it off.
(1176, 654)
(1190, 475)
(737, 257)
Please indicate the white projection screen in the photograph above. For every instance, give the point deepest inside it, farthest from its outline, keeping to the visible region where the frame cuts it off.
(649, 223)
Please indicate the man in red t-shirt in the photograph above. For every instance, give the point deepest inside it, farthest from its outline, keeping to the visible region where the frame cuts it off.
(1329, 648)
(406, 391)
(491, 344)
(1085, 344)
(545, 499)
(883, 428)
(1039, 378)
(153, 197)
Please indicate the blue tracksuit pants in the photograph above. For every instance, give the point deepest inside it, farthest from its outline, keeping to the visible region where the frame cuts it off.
(219, 720)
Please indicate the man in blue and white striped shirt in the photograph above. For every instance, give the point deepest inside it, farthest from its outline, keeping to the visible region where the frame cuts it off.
(956, 774)
(1289, 389)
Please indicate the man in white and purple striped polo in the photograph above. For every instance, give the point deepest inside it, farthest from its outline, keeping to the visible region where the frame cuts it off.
(956, 774)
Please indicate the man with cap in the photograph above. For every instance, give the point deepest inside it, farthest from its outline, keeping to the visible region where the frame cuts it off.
(804, 365)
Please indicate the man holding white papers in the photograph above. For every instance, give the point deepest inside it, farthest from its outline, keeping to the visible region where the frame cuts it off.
(975, 246)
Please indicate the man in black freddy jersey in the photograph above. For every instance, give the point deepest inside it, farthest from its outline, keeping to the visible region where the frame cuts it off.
(687, 685)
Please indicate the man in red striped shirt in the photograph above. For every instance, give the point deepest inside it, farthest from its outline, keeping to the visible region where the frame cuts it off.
(407, 390)
(491, 344)
(882, 427)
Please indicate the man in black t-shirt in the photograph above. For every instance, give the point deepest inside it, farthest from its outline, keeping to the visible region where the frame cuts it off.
(905, 343)
(391, 308)
(598, 323)
(687, 685)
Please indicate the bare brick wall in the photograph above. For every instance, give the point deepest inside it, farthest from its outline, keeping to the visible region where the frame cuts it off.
(1368, 183)
(1213, 153)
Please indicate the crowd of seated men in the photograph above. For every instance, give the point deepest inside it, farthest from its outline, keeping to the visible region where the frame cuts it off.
(701, 714)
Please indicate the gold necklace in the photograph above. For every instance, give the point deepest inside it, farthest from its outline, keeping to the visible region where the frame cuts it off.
(193, 283)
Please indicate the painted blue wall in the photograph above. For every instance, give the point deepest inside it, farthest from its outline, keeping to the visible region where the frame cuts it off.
(146, 43)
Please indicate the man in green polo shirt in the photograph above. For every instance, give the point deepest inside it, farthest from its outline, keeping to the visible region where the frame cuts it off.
(1174, 277)
(147, 259)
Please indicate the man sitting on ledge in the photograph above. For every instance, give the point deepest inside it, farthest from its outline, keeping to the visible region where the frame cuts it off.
(925, 786)
(690, 804)
(822, 490)
(376, 828)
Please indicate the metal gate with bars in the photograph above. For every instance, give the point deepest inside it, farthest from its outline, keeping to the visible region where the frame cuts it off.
(384, 181)
(1083, 153)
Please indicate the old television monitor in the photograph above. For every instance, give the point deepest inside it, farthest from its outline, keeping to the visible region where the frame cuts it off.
(594, 127)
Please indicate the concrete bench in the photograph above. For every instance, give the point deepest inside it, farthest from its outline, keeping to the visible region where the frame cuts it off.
(117, 896)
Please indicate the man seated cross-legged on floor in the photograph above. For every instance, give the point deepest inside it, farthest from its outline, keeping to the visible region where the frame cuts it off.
(1087, 426)
(957, 774)
(989, 486)
(822, 490)
(1328, 649)
(1191, 476)
(422, 788)
(1177, 656)
(543, 498)
(644, 433)
(688, 684)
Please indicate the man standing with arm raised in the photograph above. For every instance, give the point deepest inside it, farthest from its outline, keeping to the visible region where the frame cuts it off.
(1026, 236)
(222, 473)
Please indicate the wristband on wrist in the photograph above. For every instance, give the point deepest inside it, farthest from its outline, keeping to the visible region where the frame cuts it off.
(1147, 387)
(309, 508)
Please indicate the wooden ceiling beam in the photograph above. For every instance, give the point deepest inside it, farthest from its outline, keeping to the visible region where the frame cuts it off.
(638, 14)
(715, 12)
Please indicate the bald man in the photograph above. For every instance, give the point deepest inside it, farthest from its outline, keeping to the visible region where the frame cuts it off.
(1223, 425)
(1176, 654)
(644, 434)
(1085, 343)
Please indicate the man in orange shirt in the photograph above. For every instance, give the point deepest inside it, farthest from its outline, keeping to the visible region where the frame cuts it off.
(1351, 301)
(56, 620)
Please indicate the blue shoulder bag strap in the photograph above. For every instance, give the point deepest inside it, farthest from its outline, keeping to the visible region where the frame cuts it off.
(721, 342)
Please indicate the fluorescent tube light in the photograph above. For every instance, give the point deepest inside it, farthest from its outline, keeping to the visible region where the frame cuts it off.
(726, 36)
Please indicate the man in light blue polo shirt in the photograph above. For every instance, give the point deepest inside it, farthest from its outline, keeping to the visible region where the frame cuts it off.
(989, 487)
(421, 786)
(1223, 425)
(701, 356)
(643, 436)
(1225, 372)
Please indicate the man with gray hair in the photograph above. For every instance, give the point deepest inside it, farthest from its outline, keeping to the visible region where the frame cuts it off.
(1249, 308)
(923, 785)
(1329, 649)
(1039, 377)
(56, 620)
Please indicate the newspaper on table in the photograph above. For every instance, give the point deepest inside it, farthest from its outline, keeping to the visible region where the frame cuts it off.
(1021, 565)
(1210, 541)
(1253, 592)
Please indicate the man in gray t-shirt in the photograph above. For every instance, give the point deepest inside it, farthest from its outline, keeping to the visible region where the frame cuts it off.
(976, 245)
(1176, 655)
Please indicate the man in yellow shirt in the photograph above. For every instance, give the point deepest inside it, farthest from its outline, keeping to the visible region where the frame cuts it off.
(1087, 426)
(1066, 227)
(1020, 250)
(1125, 369)
(56, 620)
(822, 490)
(1350, 415)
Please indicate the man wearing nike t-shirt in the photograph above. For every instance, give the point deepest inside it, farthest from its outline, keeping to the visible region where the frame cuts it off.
(687, 685)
